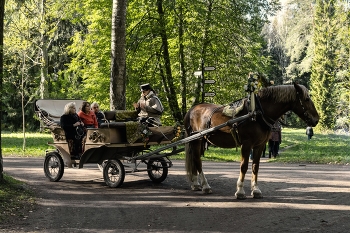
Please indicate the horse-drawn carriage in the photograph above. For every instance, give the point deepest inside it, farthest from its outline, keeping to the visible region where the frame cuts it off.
(248, 125)
(120, 138)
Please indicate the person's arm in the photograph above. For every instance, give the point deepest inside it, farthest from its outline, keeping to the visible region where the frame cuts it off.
(94, 118)
(137, 106)
(155, 106)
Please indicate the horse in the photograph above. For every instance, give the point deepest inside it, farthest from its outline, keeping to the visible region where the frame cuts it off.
(252, 133)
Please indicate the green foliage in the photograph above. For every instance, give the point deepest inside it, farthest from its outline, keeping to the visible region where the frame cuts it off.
(323, 70)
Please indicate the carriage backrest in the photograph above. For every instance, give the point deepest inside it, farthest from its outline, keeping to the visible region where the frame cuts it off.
(50, 111)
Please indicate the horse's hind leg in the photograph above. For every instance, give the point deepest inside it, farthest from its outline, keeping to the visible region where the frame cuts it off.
(192, 161)
(194, 167)
(205, 186)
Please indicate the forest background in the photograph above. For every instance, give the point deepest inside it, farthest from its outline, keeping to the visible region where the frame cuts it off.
(62, 50)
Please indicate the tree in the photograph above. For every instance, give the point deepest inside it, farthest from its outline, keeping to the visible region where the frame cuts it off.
(2, 11)
(118, 56)
(323, 69)
(343, 66)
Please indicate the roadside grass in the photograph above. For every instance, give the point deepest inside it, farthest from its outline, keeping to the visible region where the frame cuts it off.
(15, 201)
(323, 148)
(36, 144)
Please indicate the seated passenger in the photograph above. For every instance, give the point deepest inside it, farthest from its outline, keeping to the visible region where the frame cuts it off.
(99, 114)
(87, 116)
(69, 122)
(149, 107)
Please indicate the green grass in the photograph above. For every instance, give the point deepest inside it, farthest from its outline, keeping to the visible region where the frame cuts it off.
(15, 200)
(325, 148)
(36, 144)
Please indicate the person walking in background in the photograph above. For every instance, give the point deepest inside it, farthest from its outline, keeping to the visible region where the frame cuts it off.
(99, 114)
(275, 139)
(309, 132)
(87, 116)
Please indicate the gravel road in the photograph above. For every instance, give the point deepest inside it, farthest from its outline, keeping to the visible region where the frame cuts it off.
(297, 198)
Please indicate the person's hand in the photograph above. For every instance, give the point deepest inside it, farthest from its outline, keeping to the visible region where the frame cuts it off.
(135, 105)
(142, 105)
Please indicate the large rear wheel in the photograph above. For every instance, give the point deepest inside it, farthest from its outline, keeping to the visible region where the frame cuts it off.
(114, 173)
(53, 166)
(157, 170)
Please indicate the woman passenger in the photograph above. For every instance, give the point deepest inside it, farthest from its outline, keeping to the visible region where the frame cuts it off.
(87, 116)
(69, 122)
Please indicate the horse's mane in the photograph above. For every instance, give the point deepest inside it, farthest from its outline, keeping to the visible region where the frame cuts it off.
(282, 93)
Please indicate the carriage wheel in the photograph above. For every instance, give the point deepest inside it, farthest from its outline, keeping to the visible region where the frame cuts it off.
(157, 170)
(53, 166)
(102, 165)
(114, 173)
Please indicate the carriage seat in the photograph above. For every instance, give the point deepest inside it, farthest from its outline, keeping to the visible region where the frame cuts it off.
(117, 118)
(120, 115)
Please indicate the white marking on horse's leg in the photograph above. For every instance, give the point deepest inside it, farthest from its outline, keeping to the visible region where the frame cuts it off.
(195, 186)
(240, 194)
(205, 186)
(256, 192)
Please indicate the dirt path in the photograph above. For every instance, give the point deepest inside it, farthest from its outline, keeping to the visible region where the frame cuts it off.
(297, 198)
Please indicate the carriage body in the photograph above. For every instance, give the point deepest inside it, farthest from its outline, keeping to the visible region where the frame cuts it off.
(120, 139)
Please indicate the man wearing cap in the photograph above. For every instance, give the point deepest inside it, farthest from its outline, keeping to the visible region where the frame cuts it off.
(149, 105)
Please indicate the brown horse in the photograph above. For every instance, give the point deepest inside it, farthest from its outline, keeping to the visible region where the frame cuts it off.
(252, 133)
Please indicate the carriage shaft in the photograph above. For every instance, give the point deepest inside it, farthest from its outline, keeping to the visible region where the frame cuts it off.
(198, 135)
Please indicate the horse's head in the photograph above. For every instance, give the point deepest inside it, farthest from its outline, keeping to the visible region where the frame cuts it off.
(304, 107)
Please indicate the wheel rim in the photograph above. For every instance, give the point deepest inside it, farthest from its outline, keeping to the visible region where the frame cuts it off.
(157, 169)
(53, 167)
(113, 173)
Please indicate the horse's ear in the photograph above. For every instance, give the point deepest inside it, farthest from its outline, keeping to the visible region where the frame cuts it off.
(297, 87)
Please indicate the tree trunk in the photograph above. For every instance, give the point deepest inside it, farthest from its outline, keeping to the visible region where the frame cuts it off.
(118, 56)
(182, 61)
(171, 94)
(44, 56)
(2, 10)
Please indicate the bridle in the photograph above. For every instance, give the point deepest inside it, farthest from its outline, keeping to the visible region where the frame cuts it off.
(306, 114)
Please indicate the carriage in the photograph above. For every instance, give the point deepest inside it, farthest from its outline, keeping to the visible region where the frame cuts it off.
(117, 146)
(247, 125)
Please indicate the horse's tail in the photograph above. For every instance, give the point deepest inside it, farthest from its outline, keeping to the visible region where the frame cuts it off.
(189, 162)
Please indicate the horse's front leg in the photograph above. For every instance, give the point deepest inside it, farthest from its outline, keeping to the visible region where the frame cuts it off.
(240, 194)
(256, 192)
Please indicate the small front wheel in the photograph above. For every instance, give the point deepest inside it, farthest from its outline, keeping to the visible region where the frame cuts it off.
(53, 166)
(157, 170)
(114, 173)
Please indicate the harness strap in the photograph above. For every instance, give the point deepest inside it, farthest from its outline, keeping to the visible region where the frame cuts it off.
(235, 135)
(211, 115)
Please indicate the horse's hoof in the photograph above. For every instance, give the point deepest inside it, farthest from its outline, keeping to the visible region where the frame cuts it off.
(207, 191)
(196, 187)
(240, 196)
(257, 195)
